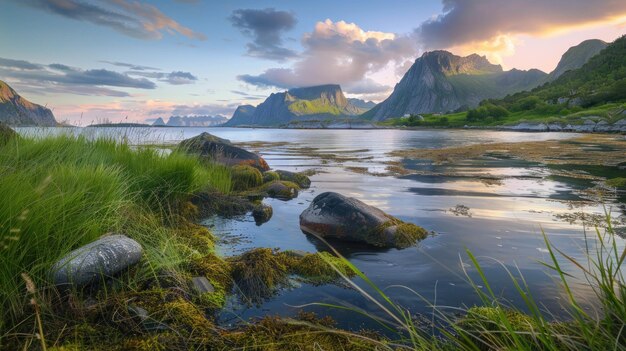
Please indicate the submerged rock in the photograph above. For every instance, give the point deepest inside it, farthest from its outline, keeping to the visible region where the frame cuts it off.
(222, 151)
(262, 213)
(303, 181)
(102, 258)
(332, 215)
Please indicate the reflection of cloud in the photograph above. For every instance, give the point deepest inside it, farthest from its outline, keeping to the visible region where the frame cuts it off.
(266, 27)
(135, 19)
(338, 52)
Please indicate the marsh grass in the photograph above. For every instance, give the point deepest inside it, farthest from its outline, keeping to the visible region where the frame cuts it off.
(495, 324)
(61, 192)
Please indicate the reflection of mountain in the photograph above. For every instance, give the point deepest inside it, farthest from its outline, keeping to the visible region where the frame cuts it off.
(441, 82)
(191, 121)
(323, 102)
(15, 110)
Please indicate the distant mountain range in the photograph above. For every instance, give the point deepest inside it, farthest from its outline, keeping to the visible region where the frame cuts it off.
(17, 111)
(191, 121)
(323, 102)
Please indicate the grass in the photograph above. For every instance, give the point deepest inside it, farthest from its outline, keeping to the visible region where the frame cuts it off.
(67, 191)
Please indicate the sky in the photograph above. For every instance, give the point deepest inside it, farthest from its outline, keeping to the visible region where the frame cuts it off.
(133, 61)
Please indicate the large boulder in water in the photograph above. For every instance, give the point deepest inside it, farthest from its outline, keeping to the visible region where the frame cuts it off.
(102, 258)
(332, 215)
(222, 151)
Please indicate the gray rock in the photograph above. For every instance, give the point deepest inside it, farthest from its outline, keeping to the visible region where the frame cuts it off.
(303, 181)
(279, 190)
(555, 127)
(222, 151)
(202, 285)
(297, 253)
(142, 316)
(262, 213)
(332, 215)
(529, 127)
(102, 258)
(603, 126)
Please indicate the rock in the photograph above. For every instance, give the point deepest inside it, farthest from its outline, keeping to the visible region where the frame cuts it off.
(303, 181)
(555, 127)
(102, 258)
(262, 213)
(202, 285)
(332, 215)
(297, 253)
(282, 190)
(530, 127)
(270, 176)
(603, 126)
(222, 151)
(588, 126)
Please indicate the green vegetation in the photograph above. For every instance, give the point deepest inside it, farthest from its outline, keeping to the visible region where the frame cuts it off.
(313, 107)
(68, 191)
(270, 176)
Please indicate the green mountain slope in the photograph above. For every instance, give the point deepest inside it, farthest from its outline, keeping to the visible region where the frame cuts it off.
(576, 56)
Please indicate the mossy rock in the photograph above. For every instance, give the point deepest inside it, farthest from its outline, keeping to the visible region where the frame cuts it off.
(6, 134)
(214, 203)
(298, 178)
(262, 213)
(270, 176)
(282, 190)
(318, 268)
(246, 177)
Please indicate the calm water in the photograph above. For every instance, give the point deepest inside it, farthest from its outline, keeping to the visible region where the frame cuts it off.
(503, 231)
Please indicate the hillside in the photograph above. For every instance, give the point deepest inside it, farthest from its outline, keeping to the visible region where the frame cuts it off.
(17, 111)
(576, 56)
(440, 82)
(323, 102)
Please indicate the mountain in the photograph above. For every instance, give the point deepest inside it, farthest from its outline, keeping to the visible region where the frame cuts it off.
(191, 121)
(576, 56)
(322, 102)
(243, 116)
(159, 122)
(362, 104)
(441, 82)
(15, 110)
(601, 80)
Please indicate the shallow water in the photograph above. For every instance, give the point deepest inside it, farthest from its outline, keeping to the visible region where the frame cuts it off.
(503, 227)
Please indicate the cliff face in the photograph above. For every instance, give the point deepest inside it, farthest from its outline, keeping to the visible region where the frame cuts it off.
(300, 104)
(442, 82)
(17, 111)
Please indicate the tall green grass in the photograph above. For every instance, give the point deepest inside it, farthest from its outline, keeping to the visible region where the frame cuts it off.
(496, 324)
(61, 192)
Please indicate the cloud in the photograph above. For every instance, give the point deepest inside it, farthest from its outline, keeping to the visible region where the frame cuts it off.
(180, 78)
(135, 19)
(490, 26)
(19, 64)
(60, 78)
(174, 78)
(131, 66)
(338, 52)
(266, 28)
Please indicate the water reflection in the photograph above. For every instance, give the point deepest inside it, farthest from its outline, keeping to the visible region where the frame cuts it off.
(511, 201)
